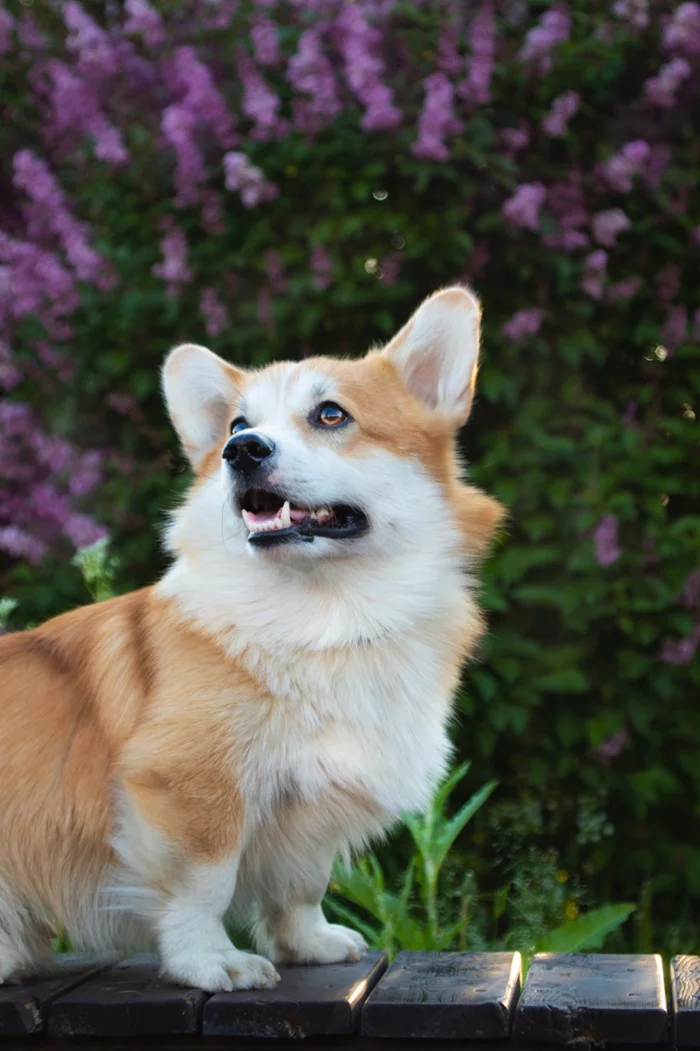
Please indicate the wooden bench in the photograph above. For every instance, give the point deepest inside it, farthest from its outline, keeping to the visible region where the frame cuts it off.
(473, 999)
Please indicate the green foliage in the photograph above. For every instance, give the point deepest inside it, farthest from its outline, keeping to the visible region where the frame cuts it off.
(425, 908)
(98, 568)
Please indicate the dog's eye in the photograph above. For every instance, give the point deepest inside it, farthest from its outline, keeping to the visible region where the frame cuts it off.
(331, 415)
(239, 424)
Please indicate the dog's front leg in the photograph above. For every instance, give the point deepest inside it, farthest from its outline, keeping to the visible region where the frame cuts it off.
(183, 885)
(291, 925)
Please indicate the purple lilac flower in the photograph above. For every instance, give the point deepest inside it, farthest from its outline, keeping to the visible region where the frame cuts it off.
(675, 328)
(594, 267)
(7, 24)
(212, 211)
(624, 289)
(523, 208)
(516, 139)
(448, 58)
(202, 98)
(178, 125)
(634, 12)
(661, 89)
(659, 158)
(260, 103)
(243, 177)
(629, 416)
(29, 34)
(358, 43)
(173, 269)
(668, 282)
(523, 323)
(612, 746)
(437, 119)
(47, 214)
(322, 267)
(37, 283)
(20, 544)
(96, 54)
(389, 267)
(274, 268)
(605, 539)
(124, 404)
(143, 20)
(691, 590)
(681, 651)
(563, 109)
(213, 311)
(607, 225)
(696, 325)
(551, 31)
(75, 111)
(476, 87)
(264, 310)
(265, 40)
(682, 34)
(310, 72)
(619, 170)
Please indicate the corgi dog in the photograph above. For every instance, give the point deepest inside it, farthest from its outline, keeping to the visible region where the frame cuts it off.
(281, 695)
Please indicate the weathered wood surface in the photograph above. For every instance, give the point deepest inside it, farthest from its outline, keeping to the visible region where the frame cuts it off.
(445, 996)
(593, 1000)
(25, 1005)
(309, 1001)
(685, 1000)
(129, 1000)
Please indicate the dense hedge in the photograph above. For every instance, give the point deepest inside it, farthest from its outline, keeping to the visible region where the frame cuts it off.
(286, 178)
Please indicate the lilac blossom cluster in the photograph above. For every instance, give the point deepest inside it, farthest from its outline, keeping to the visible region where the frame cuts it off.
(129, 97)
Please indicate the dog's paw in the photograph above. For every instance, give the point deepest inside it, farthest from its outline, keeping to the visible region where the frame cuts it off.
(222, 971)
(329, 943)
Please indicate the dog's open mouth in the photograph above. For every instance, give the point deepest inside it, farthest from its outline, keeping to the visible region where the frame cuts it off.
(272, 519)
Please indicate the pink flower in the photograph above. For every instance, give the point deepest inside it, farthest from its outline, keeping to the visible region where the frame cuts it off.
(681, 651)
(322, 267)
(213, 311)
(605, 539)
(143, 20)
(516, 139)
(173, 269)
(675, 328)
(682, 34)
(437, 119)
(563, 109)
(482, 37)
(523, 208)
(265, 40)
(310, 72)
(524, 323)
(551, 31)
(260, 103)
(607, 225)
(661, 89)
(7, 24)
(624, 289)
(358, 43)
(634, 12)
(622, 167)
(594, 267)
(243, 177)
(612, 746)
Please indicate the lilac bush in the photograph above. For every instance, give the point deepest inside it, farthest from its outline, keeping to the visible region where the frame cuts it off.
(286, 177)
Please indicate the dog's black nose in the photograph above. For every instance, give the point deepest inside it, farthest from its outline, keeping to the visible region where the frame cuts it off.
(247, 451)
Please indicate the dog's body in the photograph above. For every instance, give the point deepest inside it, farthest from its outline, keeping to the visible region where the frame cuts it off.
(219, 738)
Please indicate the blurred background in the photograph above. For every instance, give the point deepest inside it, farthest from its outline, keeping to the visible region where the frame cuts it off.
(280, 179)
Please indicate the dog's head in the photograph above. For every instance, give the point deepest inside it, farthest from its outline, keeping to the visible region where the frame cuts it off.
(324, 459)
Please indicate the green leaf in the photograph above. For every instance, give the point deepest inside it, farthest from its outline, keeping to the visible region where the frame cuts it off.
(586, 932)
(463, 816)
(566, 680)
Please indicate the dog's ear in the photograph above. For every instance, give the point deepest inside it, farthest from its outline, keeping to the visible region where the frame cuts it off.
(436, 352)
(199, 390)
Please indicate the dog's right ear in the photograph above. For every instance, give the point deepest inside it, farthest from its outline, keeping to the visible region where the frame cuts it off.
(200, 389)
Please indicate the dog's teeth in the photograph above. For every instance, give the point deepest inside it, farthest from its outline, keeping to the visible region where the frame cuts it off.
(246, 519)
(322, 514)
(284, 516)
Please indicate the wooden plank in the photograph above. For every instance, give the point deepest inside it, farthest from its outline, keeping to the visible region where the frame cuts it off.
(24, 1005)
(308, 1001)
(129, 1000)
(445, 995)
(685, 1000)
(593, 999)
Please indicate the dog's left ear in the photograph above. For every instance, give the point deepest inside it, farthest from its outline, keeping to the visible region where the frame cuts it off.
(199, 389)
(437, 351)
